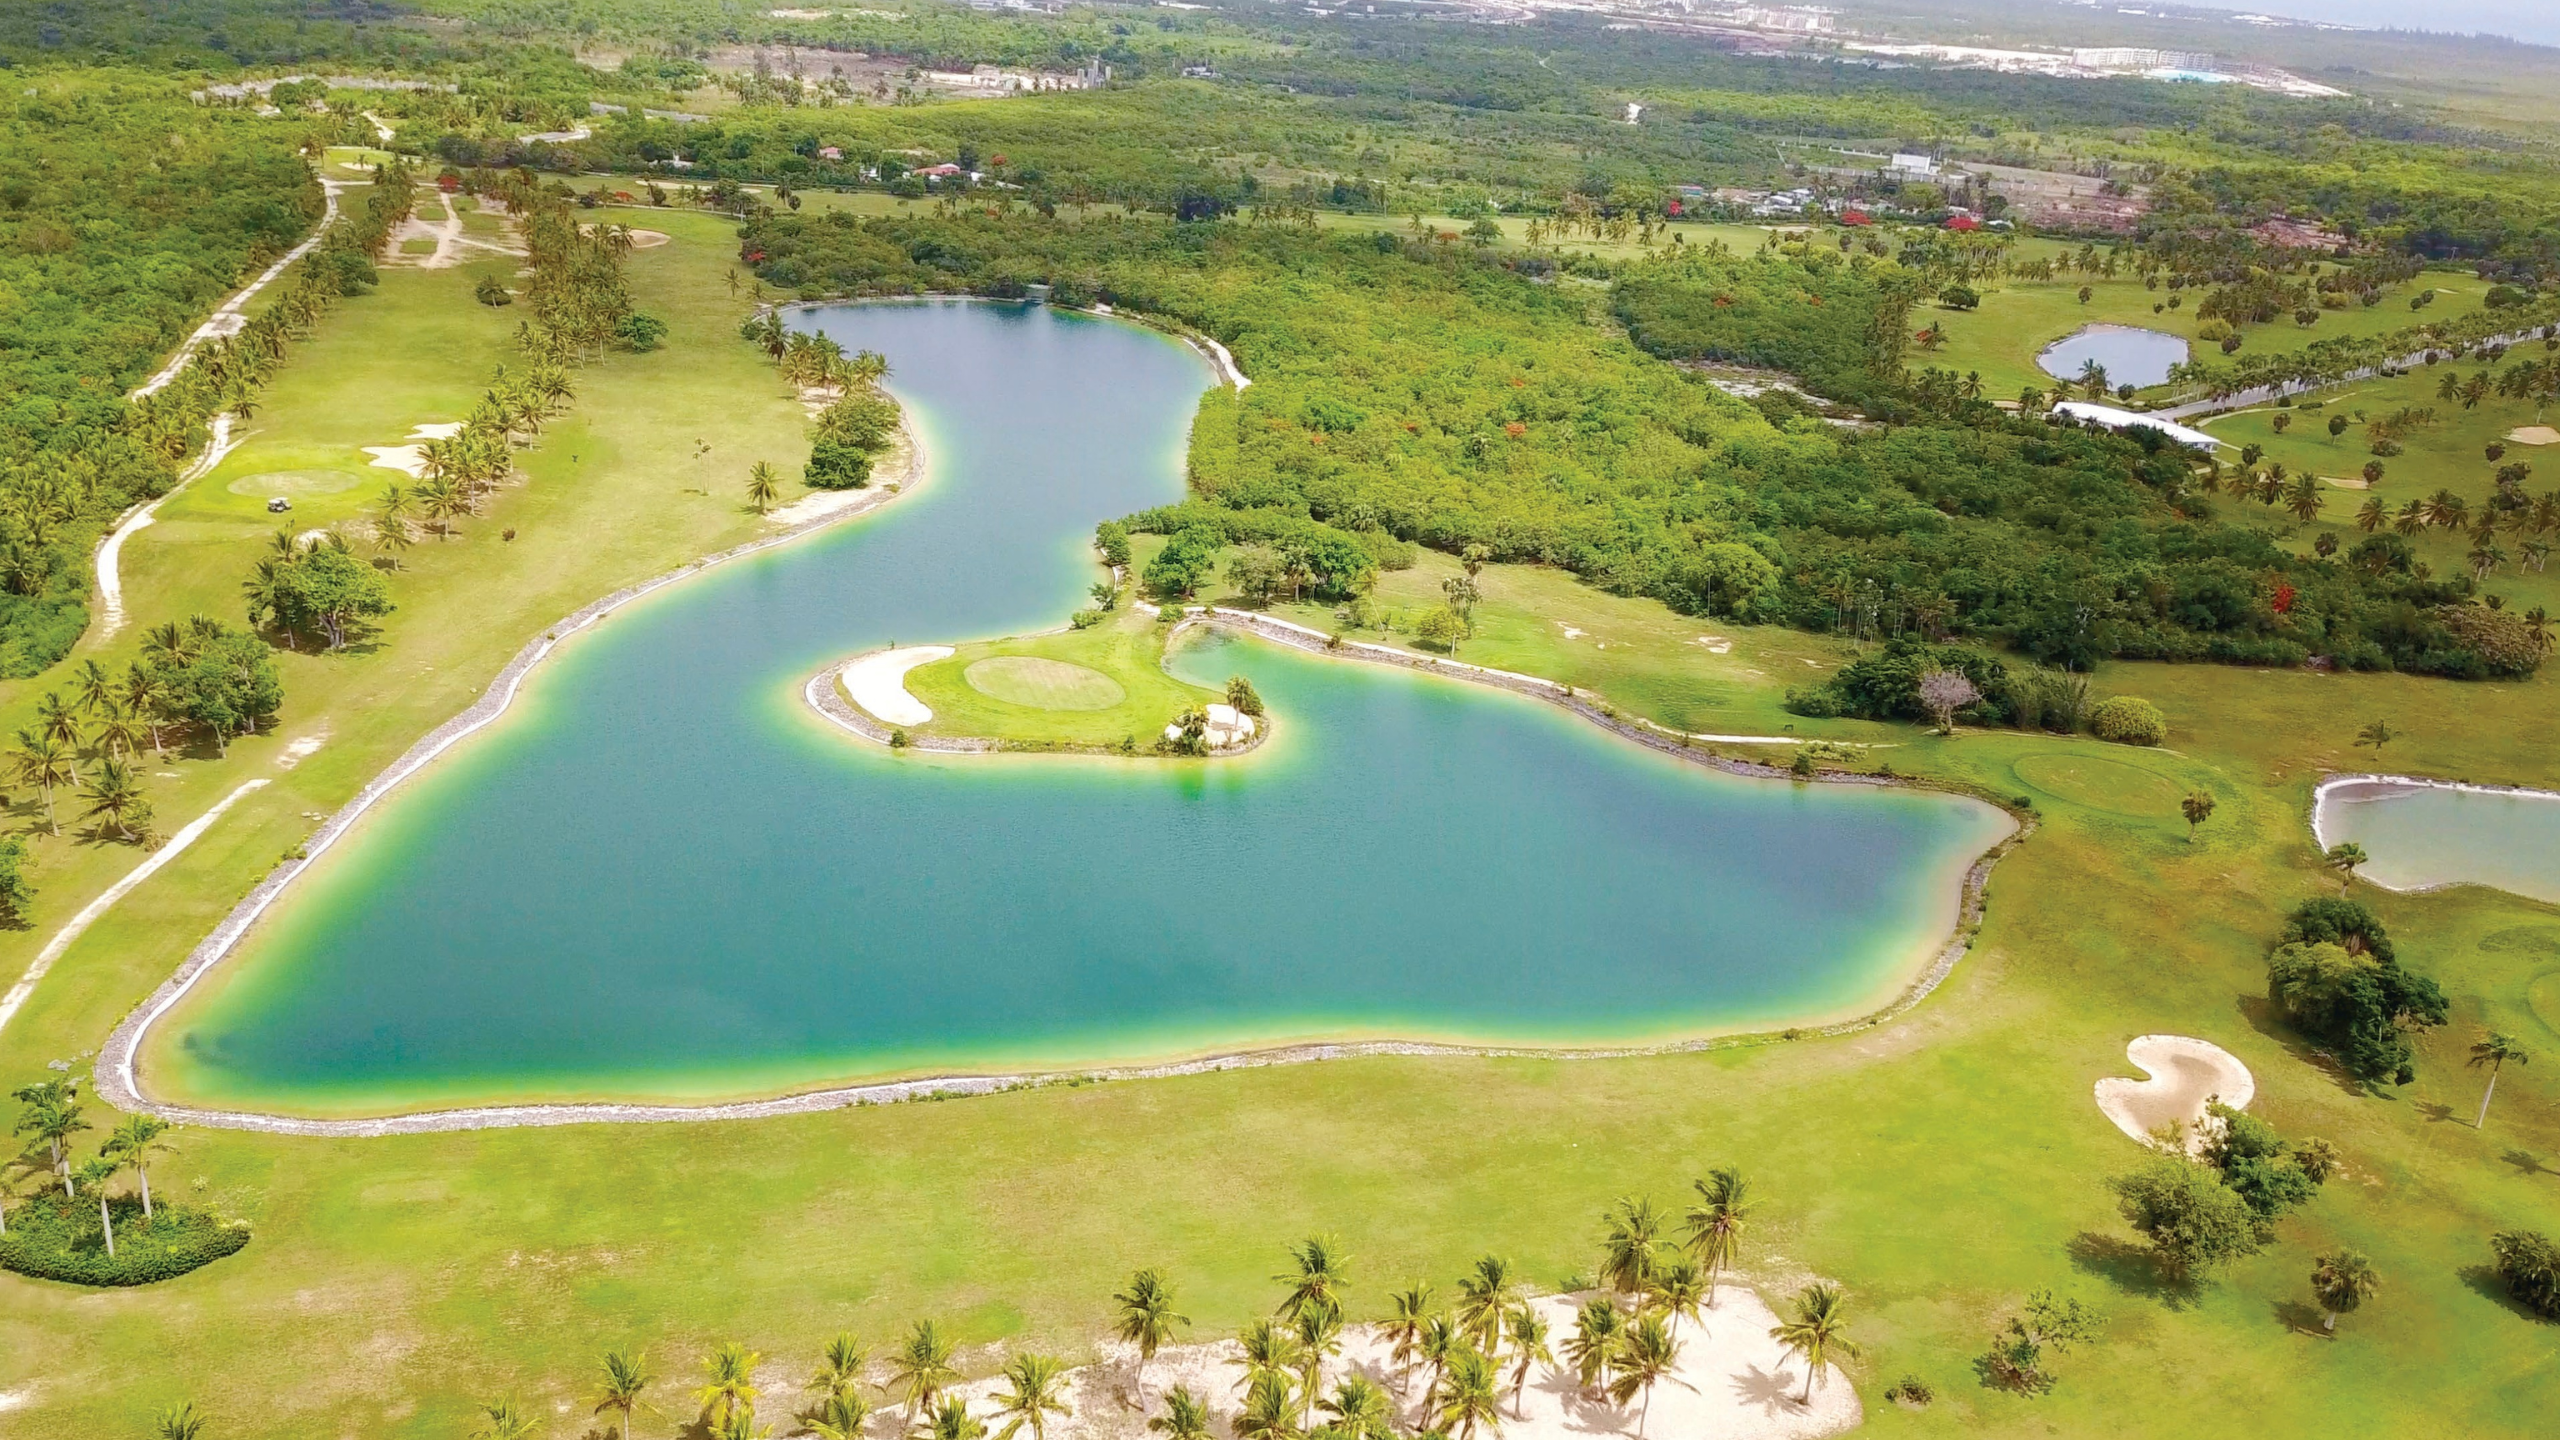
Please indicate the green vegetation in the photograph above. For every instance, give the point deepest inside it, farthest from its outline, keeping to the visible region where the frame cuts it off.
(1101, 686)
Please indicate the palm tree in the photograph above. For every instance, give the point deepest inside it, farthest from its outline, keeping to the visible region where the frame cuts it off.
(182, 1421)
(114, 796)
(504, 1421)
(1409, 1310)
(1147, 1317)
(2198, 808)
(119, 731)
(1649, 1354)
(1038, 1391)
(840, 1416)
(96, 689)
(95, 1174)
(2494, 1050)
(2305, 498)
(1270, 1411)
(134, 1143)
(1529, 1348)
(41, 761)
(1817, 1331)
(840, 1368)
(763, 487)
(1716, 1223)
(2377, 735)
(1270, 1348)
(1360, 1410)
(1484, 1297)
(618, 1387)
(2344, 857)
(2373, 514)
(1593, 1350)
(1440, 1344)
(1321, 1274)
(146, 695)
(1185, 1417)
(1631, 1229)
(2343, 1279)
(1473, 1395)
(922, 1366)
(56, 721)
(732, 1383)
(1319, 1336)
(1679, 1287)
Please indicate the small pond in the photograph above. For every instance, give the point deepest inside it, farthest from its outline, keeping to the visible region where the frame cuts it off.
(2423, 835)
(2131, 356)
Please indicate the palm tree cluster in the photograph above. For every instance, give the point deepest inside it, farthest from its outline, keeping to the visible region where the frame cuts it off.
(579, 300)
(2529, 520)
(50, 1117)
(457, 473)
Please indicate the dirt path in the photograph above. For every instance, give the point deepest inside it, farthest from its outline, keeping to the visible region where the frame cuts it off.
(228, 319)
(110, 584)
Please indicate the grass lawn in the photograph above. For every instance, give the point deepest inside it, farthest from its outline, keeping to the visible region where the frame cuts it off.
(2019, 318)
(1097, 686)
(1939, 1167)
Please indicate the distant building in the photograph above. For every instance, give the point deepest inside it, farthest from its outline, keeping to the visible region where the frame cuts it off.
(2128, 57)
(1907, 166)
(1793, 19)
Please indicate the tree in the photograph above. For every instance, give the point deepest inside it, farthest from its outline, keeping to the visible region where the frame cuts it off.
(2494, 1050)
(763, 487)
(2377, 734)
(1440, 1344)
(504, 1421)
(1629, 1233)
(1598, 1327)
(922, 1366)
(42, 761)
(1959, 297)
(1716, 1222)
(134, 1143)
(1408, 1312)
(2017, 1350)
(1036, 1386)
(1440, 628)
(1678, 1286)
(95, 1174)
(182, 1421)
(1484, 1297)
(1943, 693)
(59, 722)
(1816, 1331)
(1147, 1317)
(2344, 857)
(1320, 1272)
(1472, 1396)
(1528, 1331)
(17, 893)
(1648, 1354)
(2198, 808)
(1185, 1417)
(2530, 1264)
(1270, 1411)
(2305, 497)
(731, 1383)
(839, 1369)
(1360, 1410)
(952, 1421)
(1257, 573)
(51, 1118)
(619, 1385)
(2193, 1222)
(115, 797)
(2343, 1280)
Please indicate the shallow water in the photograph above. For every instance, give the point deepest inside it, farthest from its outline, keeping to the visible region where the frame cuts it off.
(661, 875)
(2427, 835)
(2131, 356)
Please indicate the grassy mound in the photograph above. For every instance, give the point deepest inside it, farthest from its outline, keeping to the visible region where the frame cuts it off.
(54, 1238)
(1043, 684)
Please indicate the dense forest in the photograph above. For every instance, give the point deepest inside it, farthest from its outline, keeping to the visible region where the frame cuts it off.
(1442, 396)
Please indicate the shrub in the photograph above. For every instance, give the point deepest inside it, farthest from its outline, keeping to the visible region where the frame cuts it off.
(54, 1238)
(2128, 720)
(836, 466)
(2530, 1264)
(640, 332)
(1911, 1390)
(2193, 1222)
(2336, 977)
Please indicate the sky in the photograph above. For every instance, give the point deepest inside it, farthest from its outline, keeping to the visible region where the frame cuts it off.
(2535, 20)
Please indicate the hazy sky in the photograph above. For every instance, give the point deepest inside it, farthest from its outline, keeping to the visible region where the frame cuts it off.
(2535, 20)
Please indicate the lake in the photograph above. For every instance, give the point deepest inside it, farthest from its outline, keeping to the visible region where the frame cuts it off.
(2131, 356)
(2422, 835)
(662, 876)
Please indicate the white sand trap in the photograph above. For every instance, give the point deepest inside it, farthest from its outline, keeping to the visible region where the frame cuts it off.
(409, 460)
(878, 682)
(1570, 633)
(2534, 435)
(443, 430)
(2185, 1073)
(2346, 482)
(1716, 644)
(648, 239)
(1732, 1383)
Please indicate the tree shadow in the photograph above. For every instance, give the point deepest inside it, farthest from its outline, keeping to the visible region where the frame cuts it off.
(2129, 1267)
(2267, 1020)
(2437, 1112)
(2485, 1282)
(2302, 1319)
(1775, 1392)
(2527, 1163)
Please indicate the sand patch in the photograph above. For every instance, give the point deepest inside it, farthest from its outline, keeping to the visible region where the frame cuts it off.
(2347, 482)
(1716, 644)
(2534, 435)
(411, 459)
(2184, 1074)
(877, 682)
(303, 748)
(1732, 1382)
(1571, 633)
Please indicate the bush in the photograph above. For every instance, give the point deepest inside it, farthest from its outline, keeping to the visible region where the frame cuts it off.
(2336, 978)
(640, 332)
(2530, 1264)
(836, 466)
(2128, 720)
(54, 1238)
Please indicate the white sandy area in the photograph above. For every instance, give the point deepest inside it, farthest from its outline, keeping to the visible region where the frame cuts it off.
(878, 682)
(1716, 644)
(411, 459)
(1732, 1383)
(2534, 435)
(2347, 482)
(2184, 1074)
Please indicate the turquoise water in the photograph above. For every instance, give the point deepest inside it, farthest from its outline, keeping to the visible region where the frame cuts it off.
(2131, 356)
(2427, 835)
(662, 875)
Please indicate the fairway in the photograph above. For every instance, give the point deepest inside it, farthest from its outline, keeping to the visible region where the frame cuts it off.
(2103, 783)
(1044, 684)
(295, 484)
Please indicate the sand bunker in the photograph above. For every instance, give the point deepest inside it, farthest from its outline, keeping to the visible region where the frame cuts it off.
(2185, 1073)
(878, 682)
(411, 459)
(2534, 435)
(1732, 1380)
